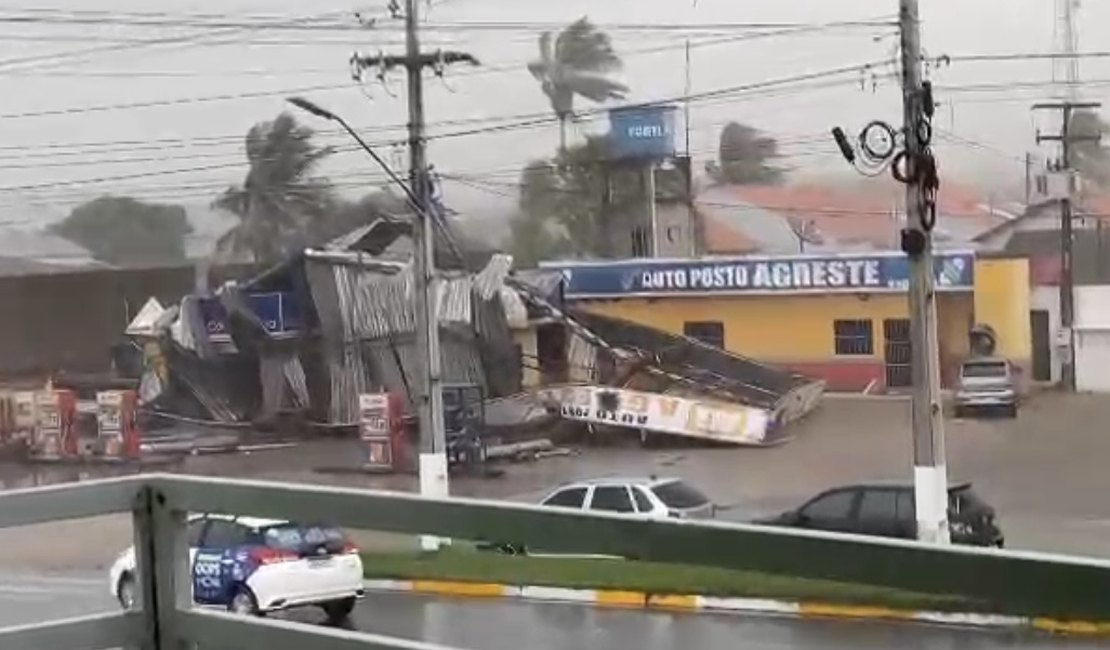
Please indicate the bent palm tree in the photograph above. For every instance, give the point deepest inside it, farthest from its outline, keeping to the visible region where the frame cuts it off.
(280, 206)
(577, 63)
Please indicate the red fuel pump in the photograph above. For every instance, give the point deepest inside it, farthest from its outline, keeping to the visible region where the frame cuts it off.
(54, 436)
(382, 432)
(117, 424)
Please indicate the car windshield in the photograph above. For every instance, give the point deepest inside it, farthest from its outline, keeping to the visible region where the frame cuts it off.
(676, 494)
(985, 370)
(298, 538)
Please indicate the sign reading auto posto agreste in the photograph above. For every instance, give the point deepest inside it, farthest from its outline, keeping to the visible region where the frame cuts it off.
(733, 423)
(882, 272)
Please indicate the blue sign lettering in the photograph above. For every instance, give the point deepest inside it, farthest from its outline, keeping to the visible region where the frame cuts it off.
(857, 273)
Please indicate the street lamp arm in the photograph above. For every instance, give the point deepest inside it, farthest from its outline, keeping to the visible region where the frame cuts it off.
(314, 109)
(318, 111)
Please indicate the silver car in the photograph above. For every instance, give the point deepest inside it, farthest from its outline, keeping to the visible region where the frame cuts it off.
(987, 384)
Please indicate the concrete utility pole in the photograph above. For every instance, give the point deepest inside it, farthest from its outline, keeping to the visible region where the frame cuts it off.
(433, 440)
(930, 472)
(1067, 239)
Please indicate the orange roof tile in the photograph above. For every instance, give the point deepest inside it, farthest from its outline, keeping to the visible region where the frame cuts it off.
(860, 216)
(720, 239)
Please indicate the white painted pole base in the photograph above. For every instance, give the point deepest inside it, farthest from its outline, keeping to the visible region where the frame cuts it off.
(931, 502)
(433, 484)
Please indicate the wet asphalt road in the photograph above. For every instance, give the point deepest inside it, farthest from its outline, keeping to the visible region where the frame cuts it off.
(488, 625)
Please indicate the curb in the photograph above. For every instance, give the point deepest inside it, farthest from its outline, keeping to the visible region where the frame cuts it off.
(710, 604)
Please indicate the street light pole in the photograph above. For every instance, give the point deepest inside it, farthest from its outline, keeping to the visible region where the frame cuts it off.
(433, 447)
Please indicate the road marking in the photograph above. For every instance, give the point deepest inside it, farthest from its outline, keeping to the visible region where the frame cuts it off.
(823, 610)
(472, 589)
(614, 598)
(672, 602)
(1071, 627)
(558, 594)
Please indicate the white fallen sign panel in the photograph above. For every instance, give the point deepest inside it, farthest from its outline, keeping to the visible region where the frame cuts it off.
(658, 413)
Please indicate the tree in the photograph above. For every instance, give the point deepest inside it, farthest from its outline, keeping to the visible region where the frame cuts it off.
(1091, 158)
(578, 63)
(560, 203)
(564, 199)
(122, 231)
(744, 157)
(281, 206)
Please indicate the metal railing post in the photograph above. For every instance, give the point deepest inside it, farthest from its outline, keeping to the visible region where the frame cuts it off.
(162, 565)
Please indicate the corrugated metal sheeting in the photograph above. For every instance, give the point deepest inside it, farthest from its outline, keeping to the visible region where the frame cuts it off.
(369, 329)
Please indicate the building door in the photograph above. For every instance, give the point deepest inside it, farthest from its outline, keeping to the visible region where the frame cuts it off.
(896, 354)
(1042, 345)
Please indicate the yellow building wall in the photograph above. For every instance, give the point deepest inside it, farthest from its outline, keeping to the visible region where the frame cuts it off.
(790, 328)
(1002, 300)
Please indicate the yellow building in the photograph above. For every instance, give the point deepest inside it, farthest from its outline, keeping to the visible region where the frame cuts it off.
(843, 318)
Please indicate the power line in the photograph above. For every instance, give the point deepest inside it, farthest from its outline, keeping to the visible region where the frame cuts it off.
(493, 188)
(1018, 56)
(510, 126)
(174, 102)
(512, 122)
(1010, 86)
(183, 20)
(55, 58)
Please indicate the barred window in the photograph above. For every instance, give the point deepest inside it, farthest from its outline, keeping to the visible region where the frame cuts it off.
(853, 337)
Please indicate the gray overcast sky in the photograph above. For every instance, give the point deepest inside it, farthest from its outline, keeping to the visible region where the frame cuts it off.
(256, 61)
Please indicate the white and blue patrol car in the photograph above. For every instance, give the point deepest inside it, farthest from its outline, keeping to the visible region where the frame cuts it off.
(255, 566)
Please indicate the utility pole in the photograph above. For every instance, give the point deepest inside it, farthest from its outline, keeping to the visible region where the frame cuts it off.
(433, 439)
(919, 175)
(1028, 177)
(1067, 239)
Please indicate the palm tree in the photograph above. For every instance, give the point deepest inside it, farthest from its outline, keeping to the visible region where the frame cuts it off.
(280, 205)
(578, 63)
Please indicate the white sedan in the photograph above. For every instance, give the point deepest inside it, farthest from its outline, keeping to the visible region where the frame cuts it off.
(255, 566)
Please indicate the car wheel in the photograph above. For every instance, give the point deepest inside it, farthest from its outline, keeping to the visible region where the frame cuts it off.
(243, 602)
(1011, 411)
(338, 611)
(126, 592)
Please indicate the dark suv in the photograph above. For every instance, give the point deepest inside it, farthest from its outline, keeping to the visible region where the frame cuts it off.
(888, 511)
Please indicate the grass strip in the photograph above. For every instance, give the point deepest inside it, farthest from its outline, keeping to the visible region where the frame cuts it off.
(627, 575)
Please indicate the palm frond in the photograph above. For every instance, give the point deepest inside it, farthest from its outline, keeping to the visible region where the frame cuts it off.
(594, 87)
(233, 200)
(541, 67)
(581, 46)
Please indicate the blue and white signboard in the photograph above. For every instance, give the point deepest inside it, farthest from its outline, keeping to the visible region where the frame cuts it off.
(873, 273)
(279, 312)
(642, 131)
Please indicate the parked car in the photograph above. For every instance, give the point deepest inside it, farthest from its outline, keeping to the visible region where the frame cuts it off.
(655, 498)
(986, 383)
(889, 511)
(651, 498)
(255, 566)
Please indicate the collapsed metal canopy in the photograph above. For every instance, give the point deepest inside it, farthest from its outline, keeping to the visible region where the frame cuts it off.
(743, 380)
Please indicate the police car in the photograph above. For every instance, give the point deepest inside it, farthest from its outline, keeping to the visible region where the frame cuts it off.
(255, 566)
